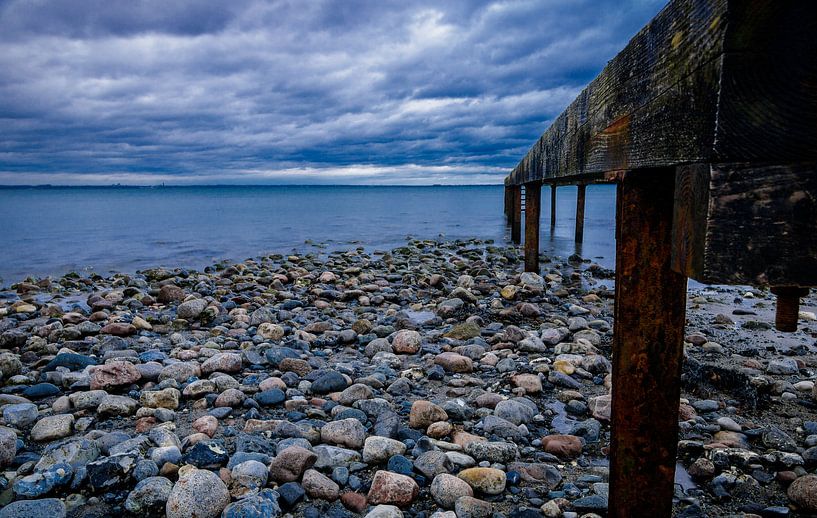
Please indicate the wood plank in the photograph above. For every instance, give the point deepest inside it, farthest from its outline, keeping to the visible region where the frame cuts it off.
(718, 81)
(533, 202)
(649, 322)
(685, 37)
(759, 224)
(580, 195)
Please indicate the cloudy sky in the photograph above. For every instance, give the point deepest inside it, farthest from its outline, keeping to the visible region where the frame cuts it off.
(300, 91)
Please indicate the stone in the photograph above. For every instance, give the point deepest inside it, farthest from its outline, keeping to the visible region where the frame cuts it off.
(222, 362)
(119, 329)
(384, 511)
(530, 382)
(114, 374)
(180, 371)
(46, 507)
(563, 446)
(8, 446)
(333, 456)
(165, 398)
(20, 415)
(423, 413)
(494, 451)
(198, 494)
(262, 505)
(355, 393)
(803, 493)
(447, 489)
(377, 450)
(601, 407)
(206, 424)
(463, 331)
(490, 481)
(320, 486)
(149, 496)
(470, 507)
(392, 488)
(291, 463)
(406, 341)
(454, 362)
(230, 398)
(269, 331)
(53, 427)
(191, 309)
(117, 405)
(330, 381)
(515, 411)
(439, 430)
(345, 432)
(432, 463)
(250, 474)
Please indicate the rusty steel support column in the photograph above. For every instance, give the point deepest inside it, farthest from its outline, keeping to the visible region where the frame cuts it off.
(788, 306)
(533, 202)
(552, 207)
(580, 213)
(650, 307)
(516, 216)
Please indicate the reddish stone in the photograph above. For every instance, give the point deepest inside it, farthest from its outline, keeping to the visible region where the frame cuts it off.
(392, 488)
(564, 446)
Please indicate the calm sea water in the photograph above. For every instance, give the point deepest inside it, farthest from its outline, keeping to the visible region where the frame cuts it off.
(56, 230)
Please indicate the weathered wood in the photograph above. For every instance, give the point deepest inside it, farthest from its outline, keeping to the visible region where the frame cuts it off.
(508, 201)
(533, 201)
(704, 81)
(552, 208)
(743, 224)
(516, 216)
(580, 194)
(647, 349)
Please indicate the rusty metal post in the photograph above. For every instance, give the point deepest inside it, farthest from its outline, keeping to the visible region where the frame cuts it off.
(533, 201)
(516, 217)
(508, 202)
(647, 349)
(788, 306)
(580, 213)
(552, 207)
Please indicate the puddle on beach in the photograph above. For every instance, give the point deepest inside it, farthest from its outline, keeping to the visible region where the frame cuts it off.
(561, 423)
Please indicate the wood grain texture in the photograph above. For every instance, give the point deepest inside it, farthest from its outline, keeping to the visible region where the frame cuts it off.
(649, 322)
(533, 204)
(704, 81)
(655, 99)
(761, 226)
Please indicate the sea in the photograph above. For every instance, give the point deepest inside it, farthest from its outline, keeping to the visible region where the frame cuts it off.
(50, 231)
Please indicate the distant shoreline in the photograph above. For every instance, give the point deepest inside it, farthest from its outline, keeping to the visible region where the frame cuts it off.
(222, 186)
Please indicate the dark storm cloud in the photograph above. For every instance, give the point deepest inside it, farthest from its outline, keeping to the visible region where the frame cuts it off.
(301, 91)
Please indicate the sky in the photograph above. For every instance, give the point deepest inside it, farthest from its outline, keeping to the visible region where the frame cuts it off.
(98, 92)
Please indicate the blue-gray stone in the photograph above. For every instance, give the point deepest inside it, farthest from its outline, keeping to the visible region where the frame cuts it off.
(291, 493)
(262, 505)
(72, 361)
(42, 390)
(330, 381)
(270, 397)
(20, 415)
(49, 507)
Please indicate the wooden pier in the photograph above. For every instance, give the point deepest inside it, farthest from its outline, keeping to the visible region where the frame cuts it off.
(707, 123)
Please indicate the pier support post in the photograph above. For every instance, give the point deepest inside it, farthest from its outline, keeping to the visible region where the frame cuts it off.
(508, 201)
(533, 202)
(580, 213)
(552, 207)
(650, 307)
(516, 216)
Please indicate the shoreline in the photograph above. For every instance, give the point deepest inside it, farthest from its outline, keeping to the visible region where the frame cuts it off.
(437, 359)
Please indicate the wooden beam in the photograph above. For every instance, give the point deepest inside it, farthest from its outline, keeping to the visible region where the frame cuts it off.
(508, 201)
(580, 213)
(746, 224)
(516, 217)
(704, 81)
(649, 322)
(552, 207)
(533, 202)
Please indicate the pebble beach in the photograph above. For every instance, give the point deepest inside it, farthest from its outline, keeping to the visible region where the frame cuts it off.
(435, 379)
